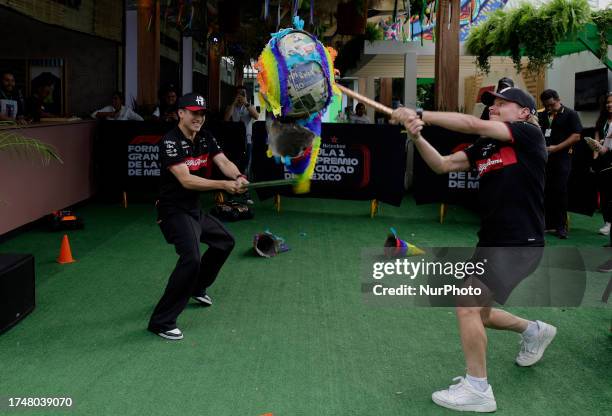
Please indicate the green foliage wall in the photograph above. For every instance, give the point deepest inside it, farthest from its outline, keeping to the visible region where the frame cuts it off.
(532, 32)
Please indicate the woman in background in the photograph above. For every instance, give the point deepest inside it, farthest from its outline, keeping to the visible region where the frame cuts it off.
(603, 156)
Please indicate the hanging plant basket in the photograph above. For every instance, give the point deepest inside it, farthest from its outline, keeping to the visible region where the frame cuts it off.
(527, 32)
(603, 21)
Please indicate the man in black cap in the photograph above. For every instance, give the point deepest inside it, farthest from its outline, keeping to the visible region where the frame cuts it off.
(187, 154)
(510, 158)
(502, 85)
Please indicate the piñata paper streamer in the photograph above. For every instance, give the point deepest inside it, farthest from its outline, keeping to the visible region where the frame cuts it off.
(396, 247)
(296, 84)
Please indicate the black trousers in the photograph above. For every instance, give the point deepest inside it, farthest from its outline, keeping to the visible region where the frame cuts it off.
(555, 193)
(604, 179)
(193, 274)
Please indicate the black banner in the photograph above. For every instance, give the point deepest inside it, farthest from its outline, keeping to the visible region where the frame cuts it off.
(461, 187)
(454, 188)
(356, 161)
(126, 153)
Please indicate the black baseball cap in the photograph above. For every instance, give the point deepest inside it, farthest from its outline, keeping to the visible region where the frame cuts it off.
(514, 95)
(192, 102)
(504, 82)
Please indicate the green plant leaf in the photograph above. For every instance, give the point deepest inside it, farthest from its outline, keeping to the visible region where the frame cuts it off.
(603, 21)
(373, 32)
(28, 147)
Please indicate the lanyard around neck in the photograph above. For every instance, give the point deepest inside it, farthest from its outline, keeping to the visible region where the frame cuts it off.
(554, 115)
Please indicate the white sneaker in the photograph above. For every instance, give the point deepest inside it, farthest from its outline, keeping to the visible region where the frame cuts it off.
(532, 348)
(605, 230)
(465, 398)
(204, 299)
(173, 334)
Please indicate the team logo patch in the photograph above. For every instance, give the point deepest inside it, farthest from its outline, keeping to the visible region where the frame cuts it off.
(505, 156)
(197, 163)
(170, 148)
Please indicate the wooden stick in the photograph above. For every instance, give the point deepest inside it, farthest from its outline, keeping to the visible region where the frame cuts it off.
(269, 184)
(367, 101)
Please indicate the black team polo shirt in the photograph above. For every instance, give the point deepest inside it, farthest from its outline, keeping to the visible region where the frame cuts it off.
(511, 190)
(198, 155)
(565, 123)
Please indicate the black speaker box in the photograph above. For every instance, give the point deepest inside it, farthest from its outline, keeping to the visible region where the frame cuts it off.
(16, 288)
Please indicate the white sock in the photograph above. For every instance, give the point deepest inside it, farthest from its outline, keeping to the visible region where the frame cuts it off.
(479, 384)
(532, 329)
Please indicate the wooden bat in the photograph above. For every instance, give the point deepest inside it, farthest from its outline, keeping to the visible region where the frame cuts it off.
(367, 101)
(269, 184)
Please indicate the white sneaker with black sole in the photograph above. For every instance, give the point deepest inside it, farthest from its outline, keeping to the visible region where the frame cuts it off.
(605, 230)
(465, 398)
(532, 348)
(172, 334)
(203, 300)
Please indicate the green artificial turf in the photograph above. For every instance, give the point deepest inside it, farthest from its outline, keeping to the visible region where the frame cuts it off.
(289, 335)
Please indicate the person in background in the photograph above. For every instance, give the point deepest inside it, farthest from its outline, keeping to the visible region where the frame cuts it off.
(35, 104)
(502, 84)
(561, 127)
(11, 100)
(116, 111)
(345, 116)
(603, 156)
(396, 103)
(241, 110)
(360, 116)
(167, 110)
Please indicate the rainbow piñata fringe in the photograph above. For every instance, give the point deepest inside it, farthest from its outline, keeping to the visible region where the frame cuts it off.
(273, 71)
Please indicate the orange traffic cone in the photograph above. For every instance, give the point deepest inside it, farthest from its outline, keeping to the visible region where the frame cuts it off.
(65, 255)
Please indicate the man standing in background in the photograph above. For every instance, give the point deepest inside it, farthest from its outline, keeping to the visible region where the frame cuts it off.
(241, 110)
(561, 127)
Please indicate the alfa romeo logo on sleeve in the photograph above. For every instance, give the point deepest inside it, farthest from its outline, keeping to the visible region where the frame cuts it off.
(170, 148)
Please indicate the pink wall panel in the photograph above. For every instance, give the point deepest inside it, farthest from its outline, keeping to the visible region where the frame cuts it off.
(29, 190)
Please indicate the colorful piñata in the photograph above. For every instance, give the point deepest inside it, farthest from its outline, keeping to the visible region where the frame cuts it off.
(296, 84)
